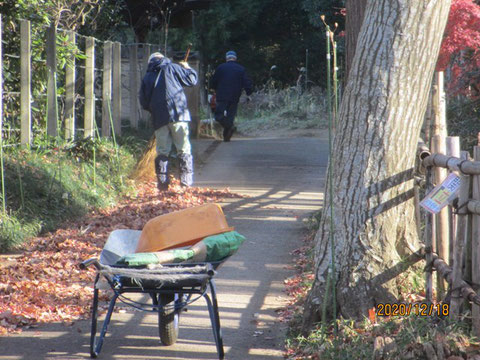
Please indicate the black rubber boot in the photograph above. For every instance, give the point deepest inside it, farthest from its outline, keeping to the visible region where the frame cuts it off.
(225, 134)
(228, 132)
(186, 169)
(161, 170)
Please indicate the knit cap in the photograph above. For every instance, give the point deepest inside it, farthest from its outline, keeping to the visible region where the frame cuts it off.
(231, 55)
(155, 55)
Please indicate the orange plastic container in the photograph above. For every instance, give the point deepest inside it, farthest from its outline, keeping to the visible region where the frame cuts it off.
(182, 228)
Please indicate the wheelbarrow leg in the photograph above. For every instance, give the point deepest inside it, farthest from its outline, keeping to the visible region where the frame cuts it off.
(215, 319)
(96, 346)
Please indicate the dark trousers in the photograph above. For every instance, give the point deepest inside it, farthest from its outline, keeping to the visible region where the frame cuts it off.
(225, 112)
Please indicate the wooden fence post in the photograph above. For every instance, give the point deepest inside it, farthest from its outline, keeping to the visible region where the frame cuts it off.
(476, 244)
(107, 89)
(89, 117)
(463, 197)
(117, 88)
(146, 55)
(133, 86)
(25, 83)
(70, 93)
(193, 101)
(442, 218)
(52, 105)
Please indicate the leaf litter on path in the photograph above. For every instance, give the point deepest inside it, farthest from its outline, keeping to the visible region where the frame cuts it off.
(45, 284)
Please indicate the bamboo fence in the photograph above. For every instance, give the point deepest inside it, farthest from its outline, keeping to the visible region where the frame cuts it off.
(451, 236)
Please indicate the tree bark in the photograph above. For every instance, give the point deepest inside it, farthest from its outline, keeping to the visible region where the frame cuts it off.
(373, 158)
(354, 19)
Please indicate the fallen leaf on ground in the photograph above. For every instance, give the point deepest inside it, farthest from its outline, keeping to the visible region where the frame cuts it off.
(45, 284)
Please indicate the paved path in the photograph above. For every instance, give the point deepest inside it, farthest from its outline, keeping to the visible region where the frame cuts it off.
(283, 179)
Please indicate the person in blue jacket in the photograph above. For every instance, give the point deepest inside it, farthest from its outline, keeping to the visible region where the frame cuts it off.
(161, 93)
(228, 81)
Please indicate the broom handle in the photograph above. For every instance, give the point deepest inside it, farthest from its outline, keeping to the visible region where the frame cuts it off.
(188, 52)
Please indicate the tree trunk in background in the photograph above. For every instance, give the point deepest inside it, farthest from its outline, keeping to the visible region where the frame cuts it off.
(355, 11)
(374, 154)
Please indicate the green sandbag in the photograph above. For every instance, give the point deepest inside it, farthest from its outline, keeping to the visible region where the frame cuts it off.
(222, 245)
(166, 256)
(138, 259)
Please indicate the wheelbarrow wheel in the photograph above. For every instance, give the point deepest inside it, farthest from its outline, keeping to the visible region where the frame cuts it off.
(168, 319)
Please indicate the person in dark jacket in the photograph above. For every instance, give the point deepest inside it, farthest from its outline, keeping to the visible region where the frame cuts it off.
(228, 81)
(161, 93)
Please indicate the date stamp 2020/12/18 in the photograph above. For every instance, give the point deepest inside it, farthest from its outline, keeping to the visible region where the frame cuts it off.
(407, 309)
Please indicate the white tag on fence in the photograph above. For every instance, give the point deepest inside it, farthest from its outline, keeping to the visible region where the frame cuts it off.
(442, 194)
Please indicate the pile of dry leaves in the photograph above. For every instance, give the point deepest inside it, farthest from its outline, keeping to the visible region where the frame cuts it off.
(44, 283)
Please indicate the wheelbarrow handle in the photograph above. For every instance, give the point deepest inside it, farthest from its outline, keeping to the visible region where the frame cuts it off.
(92, 261)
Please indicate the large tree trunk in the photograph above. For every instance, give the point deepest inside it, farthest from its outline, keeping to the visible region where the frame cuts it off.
(355, 11)
(374, 154)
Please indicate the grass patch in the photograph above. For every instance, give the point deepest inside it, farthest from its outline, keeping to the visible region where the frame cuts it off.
(411, 337)
(14, 230)
(283, 109)
(47, 185)
(272, 109)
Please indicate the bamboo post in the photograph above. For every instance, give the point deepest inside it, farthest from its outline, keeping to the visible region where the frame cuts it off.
(429, 240)
(70, 93)
(442, 218)
(4, 205)
(453, 146)
(474, 206)
(52, 105)
(25, 83)
(423, 151)
(458, 252)
(427, 126)
(476, 243)
(453, 149)
(117, 88)
(89, 117)
(335, 82)
(453, 163)
(439, 108)
(465, 290)
(107, 89)
(134, 86)
(418, 215)
(468, 256)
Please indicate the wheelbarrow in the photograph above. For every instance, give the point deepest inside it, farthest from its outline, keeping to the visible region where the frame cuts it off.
(171, 287)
